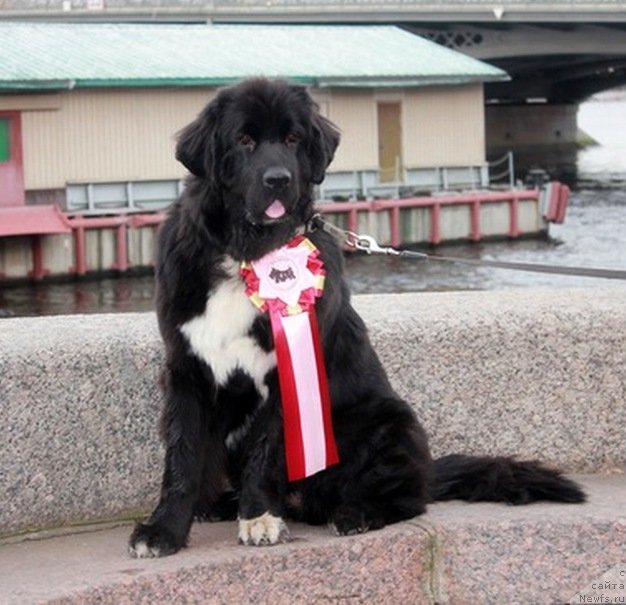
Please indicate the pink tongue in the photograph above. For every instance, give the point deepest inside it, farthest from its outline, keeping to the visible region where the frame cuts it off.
(275, 210)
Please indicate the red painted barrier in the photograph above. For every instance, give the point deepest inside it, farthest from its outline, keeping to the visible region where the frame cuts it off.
(474, 200)
(39, 271)
(81, 223)
(552, 202)
(349, 209)
(558, 198)
(32, 220)
(475, 234)
(146, 220)
(556, 207)
(564, 194)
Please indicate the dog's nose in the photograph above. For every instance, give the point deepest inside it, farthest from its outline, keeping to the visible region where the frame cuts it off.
(276, 177)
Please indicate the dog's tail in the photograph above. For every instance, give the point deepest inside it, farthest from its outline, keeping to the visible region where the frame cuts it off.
(500, 479)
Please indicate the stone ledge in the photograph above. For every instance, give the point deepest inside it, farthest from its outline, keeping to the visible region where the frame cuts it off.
(456, 553)
(539, 373)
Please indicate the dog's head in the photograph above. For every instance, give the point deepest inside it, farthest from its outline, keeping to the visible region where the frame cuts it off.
(263, 145)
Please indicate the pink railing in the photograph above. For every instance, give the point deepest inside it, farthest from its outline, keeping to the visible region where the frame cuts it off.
(120, 223)
(435, 203)
(473, 200)
(556, 208)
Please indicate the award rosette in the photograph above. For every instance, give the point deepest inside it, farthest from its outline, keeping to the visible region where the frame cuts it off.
(286, 283)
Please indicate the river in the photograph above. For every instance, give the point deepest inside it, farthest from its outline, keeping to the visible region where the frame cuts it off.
(593, 235)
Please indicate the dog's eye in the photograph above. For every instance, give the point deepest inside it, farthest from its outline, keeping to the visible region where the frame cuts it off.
(292, 138)
(246, 140)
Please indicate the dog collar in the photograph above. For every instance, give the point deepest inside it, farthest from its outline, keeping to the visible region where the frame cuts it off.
(309, 226)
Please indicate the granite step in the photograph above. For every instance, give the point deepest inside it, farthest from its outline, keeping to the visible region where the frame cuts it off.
(457, 553)
(537, 373)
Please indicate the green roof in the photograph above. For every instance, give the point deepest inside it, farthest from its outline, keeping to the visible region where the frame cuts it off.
(47, 56)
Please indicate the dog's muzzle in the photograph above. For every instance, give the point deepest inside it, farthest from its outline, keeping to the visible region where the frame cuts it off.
(276, 180)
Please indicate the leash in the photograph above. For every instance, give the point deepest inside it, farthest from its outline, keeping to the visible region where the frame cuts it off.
(366, 243)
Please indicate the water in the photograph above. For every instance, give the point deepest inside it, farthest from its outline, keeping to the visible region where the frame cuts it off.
(115, 295)
(594, 235)
(605, 121)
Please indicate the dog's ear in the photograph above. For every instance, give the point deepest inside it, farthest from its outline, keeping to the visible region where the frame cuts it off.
(325, 140)
(197, 142)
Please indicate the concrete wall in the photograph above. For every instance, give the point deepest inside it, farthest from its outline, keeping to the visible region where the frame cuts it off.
(538, 135)
(530, 125)
(538, 373)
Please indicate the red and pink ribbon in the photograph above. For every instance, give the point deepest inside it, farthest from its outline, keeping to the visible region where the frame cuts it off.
(286, 283)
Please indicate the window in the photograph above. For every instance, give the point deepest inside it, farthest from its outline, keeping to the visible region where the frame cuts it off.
(5, 154)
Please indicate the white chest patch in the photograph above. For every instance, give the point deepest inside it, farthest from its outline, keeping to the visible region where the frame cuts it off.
(220, 336)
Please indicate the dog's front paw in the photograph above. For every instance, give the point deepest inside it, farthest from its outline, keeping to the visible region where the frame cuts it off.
(149, 541)
(263, 531)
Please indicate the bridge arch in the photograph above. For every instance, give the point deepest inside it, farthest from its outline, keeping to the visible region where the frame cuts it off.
(557, 63)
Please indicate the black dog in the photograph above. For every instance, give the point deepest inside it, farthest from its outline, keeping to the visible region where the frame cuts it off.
(255, 153)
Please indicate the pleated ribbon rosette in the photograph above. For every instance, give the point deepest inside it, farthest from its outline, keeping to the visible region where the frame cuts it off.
(286, 283)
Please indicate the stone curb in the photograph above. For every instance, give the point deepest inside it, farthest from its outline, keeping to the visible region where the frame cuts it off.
(457, 553)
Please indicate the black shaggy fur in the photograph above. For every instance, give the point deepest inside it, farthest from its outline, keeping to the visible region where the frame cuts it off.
(256, 142)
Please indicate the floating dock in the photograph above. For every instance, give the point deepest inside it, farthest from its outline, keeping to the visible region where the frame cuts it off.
(41, 241)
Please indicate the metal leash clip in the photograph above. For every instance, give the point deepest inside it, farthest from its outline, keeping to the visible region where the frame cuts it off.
(365, 243)
(368, 244)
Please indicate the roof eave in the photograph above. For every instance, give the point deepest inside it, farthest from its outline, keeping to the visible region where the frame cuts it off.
(170, 82)
(409, 81)
(35, 85)
(321, 82)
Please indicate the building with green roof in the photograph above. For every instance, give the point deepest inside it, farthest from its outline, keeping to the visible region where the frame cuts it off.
(87, 109)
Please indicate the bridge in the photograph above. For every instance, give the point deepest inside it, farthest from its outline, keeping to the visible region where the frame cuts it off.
(555, 62)
(558, 53)
(317, 11)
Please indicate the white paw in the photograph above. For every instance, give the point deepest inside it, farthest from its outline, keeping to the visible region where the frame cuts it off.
(141, 550)
(263, 530)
